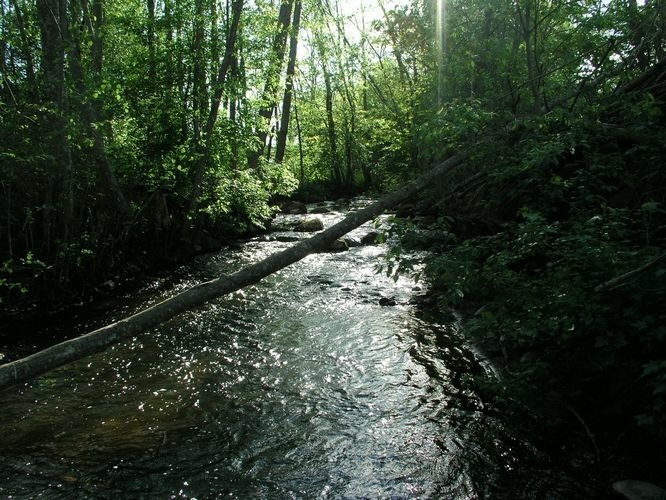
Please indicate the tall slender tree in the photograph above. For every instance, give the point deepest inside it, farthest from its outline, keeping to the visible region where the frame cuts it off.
(204, 146)
(269, 95)
(289, 85)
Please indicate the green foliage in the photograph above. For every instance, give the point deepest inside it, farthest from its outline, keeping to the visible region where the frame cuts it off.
(536, 284)
(244, 199)
(400, 260)
(455, 124)
(7, 283)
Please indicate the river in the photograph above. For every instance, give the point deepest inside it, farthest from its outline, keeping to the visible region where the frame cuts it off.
(302, 386)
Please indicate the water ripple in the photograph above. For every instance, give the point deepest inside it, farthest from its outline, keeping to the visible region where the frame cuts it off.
(301, 386)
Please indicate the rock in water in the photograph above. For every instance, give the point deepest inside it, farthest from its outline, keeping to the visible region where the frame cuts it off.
(286, 238)
(294, 207)
(370, 238)
(351, 242)
(339, 245)
(639, 490)
(309, 226)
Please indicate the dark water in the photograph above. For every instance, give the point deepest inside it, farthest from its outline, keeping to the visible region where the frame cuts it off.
(300, 387)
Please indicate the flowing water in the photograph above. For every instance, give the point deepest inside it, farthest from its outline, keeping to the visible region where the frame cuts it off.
(302, 386)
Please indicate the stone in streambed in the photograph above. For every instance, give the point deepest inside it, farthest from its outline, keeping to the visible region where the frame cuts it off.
(339, 245)
(309, 226)
(639, 490)
(344, 243)
(286, 238)
(294, 208)
(370, 238)
(352, 242)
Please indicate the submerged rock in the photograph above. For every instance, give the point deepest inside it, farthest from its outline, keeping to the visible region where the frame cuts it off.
(294, 207)
(344, 243)
(370, 238)
(339, 245)
(387, 301)
(286, 238)
(309, 225)
(351, 241)
(639, 490)
(320, 210)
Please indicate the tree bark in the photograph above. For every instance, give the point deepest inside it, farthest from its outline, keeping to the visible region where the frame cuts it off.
(390, 31)
(25, 45)
(529, 31)
(90, 108)
(269, 96)
(152, 69)
(330, 126)
(52, 16)
(281, 144)
(638, 35)
(301, 178)
(218, 89)
(621, 280)
(98, 340)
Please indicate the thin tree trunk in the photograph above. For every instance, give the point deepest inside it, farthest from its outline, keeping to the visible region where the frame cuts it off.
(330, 127)
(233, 115)
(528, 30)
(218, 90)
(300, 148)
(53, 23)
(215, 39)
(638, 35)
(269, 95)
(281, 144)
(25, 48)
(152, 70)
(98, 340)
(396, 46)
(90, 108)
(198, 76)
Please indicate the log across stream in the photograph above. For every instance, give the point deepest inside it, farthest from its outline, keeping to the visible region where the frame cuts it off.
(301, 386)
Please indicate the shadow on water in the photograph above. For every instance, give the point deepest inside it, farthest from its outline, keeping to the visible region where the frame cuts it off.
(302, 386)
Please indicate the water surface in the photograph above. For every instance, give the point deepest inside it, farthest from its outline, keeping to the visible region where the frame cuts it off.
(302, 386)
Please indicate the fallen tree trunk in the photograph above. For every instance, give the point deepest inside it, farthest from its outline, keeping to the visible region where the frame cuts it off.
(98, 340)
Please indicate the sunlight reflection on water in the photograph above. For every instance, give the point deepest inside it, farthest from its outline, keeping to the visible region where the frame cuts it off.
(302, 385)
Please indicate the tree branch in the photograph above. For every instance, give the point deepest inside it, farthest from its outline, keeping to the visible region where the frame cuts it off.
(623, 278)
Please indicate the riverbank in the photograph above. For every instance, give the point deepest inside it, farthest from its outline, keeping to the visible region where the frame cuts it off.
(578, 360)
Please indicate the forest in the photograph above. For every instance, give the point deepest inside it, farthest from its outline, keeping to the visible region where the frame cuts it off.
(136, 135)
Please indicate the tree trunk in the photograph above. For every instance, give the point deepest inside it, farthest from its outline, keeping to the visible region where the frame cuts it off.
(98, 340)
(330, 127)
(528, 30)
(25, 45)
(233, 115)
(405, 76)
(198, 74)
(152, 69)
(301, 177)
(53, 23)
(90, 107)
(289, 86)
(638, 36)
(269, 95)
(218, 89)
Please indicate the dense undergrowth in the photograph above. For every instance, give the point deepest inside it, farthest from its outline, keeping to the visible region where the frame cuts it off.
(566, 202)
